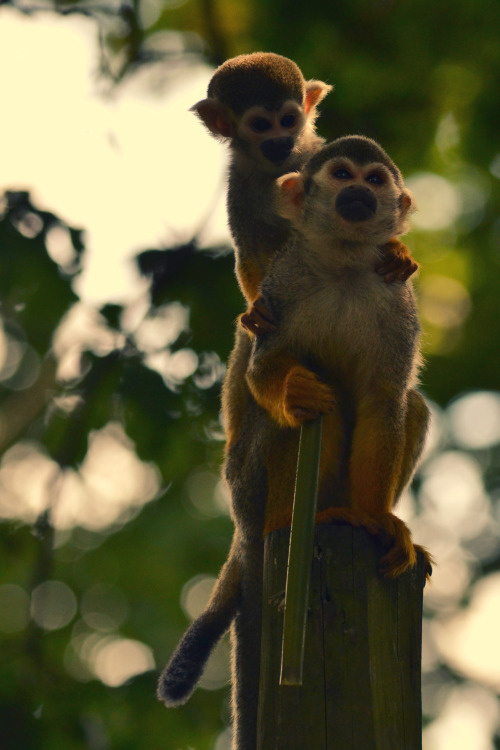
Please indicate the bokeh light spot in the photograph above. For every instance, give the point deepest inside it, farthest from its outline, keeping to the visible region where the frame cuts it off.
(53, 605)
(443, 301)
(195, 594)
(475, 419)
(104, 607)
(116, 660)
(438, 201)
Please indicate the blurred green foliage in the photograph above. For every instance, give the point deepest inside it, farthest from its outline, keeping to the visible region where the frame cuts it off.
(422, 78)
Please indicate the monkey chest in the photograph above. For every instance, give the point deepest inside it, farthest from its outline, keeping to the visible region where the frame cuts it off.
(356, 327)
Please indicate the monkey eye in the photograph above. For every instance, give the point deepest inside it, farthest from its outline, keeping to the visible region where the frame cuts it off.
(341, 174)
(288, 121)
(375, 179)
(261, 124)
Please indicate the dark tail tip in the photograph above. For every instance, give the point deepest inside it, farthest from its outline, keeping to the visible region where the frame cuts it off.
(179, 678)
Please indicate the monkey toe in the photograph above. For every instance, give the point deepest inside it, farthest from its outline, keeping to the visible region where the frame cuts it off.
(428, 561)
(395, 562)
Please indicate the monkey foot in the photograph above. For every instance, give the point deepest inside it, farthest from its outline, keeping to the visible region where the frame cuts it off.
(393, 533)
(258, 320)
(306, 397)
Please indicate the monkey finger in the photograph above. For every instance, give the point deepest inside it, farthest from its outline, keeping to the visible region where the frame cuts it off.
(306, 407)
(258, 319)
(300, 415)
(397, 270)
(410, 268)
(248, 322)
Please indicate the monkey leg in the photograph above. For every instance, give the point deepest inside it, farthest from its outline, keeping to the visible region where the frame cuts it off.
(416, 426)
(377, 452)
(281, 468)
(374, 472)
(289, 391)
(246, 638)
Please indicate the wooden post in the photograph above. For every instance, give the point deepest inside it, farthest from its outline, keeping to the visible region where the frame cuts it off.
(361, 680)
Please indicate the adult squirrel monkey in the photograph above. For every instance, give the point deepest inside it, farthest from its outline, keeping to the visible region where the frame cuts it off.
(263, 108)
(341, 330)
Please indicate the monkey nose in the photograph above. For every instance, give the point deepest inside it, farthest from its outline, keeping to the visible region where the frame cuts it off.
(356, 203)
(277, 149)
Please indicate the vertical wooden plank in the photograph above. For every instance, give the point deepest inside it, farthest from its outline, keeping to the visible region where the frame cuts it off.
(307, 702)
(273, 584)
(361, 682)
(349, 712)
(288, 715)
(300, 553)
(409, 647)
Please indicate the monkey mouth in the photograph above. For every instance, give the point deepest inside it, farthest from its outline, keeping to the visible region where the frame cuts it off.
(276, 150)
(356, 204)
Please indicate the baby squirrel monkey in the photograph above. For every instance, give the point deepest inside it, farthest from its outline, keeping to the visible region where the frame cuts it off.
(261, 105)
(340, 327)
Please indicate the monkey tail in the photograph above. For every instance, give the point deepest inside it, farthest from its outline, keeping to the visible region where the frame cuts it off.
(180, 676)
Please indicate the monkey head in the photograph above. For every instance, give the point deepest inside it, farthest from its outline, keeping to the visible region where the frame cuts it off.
(263, 106)
(350, 191)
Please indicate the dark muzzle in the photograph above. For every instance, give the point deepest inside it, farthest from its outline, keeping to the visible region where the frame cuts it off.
(277, 149)
(356, 203)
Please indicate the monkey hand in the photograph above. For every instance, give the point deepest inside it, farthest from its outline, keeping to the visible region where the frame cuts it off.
(305, 397)
(258, 320)
(397, 263)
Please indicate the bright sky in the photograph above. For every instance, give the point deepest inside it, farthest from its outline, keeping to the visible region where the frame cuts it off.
(136, 171)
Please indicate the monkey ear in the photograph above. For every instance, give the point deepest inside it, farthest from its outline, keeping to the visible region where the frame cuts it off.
(315, 92)
(215, 117)
(407, 201)
(290, 194)
(406, 207)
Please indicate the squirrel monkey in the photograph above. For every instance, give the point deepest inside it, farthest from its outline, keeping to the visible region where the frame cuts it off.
(261, 105)
(263, 108)
(341, 329)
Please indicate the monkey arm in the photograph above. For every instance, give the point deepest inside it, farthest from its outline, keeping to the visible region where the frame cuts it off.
(249, 273)
(397, 263)
(289, 391)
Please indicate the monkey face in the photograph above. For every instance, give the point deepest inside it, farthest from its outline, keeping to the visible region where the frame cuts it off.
(361, 199)
(269, 136)
(345, 200)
